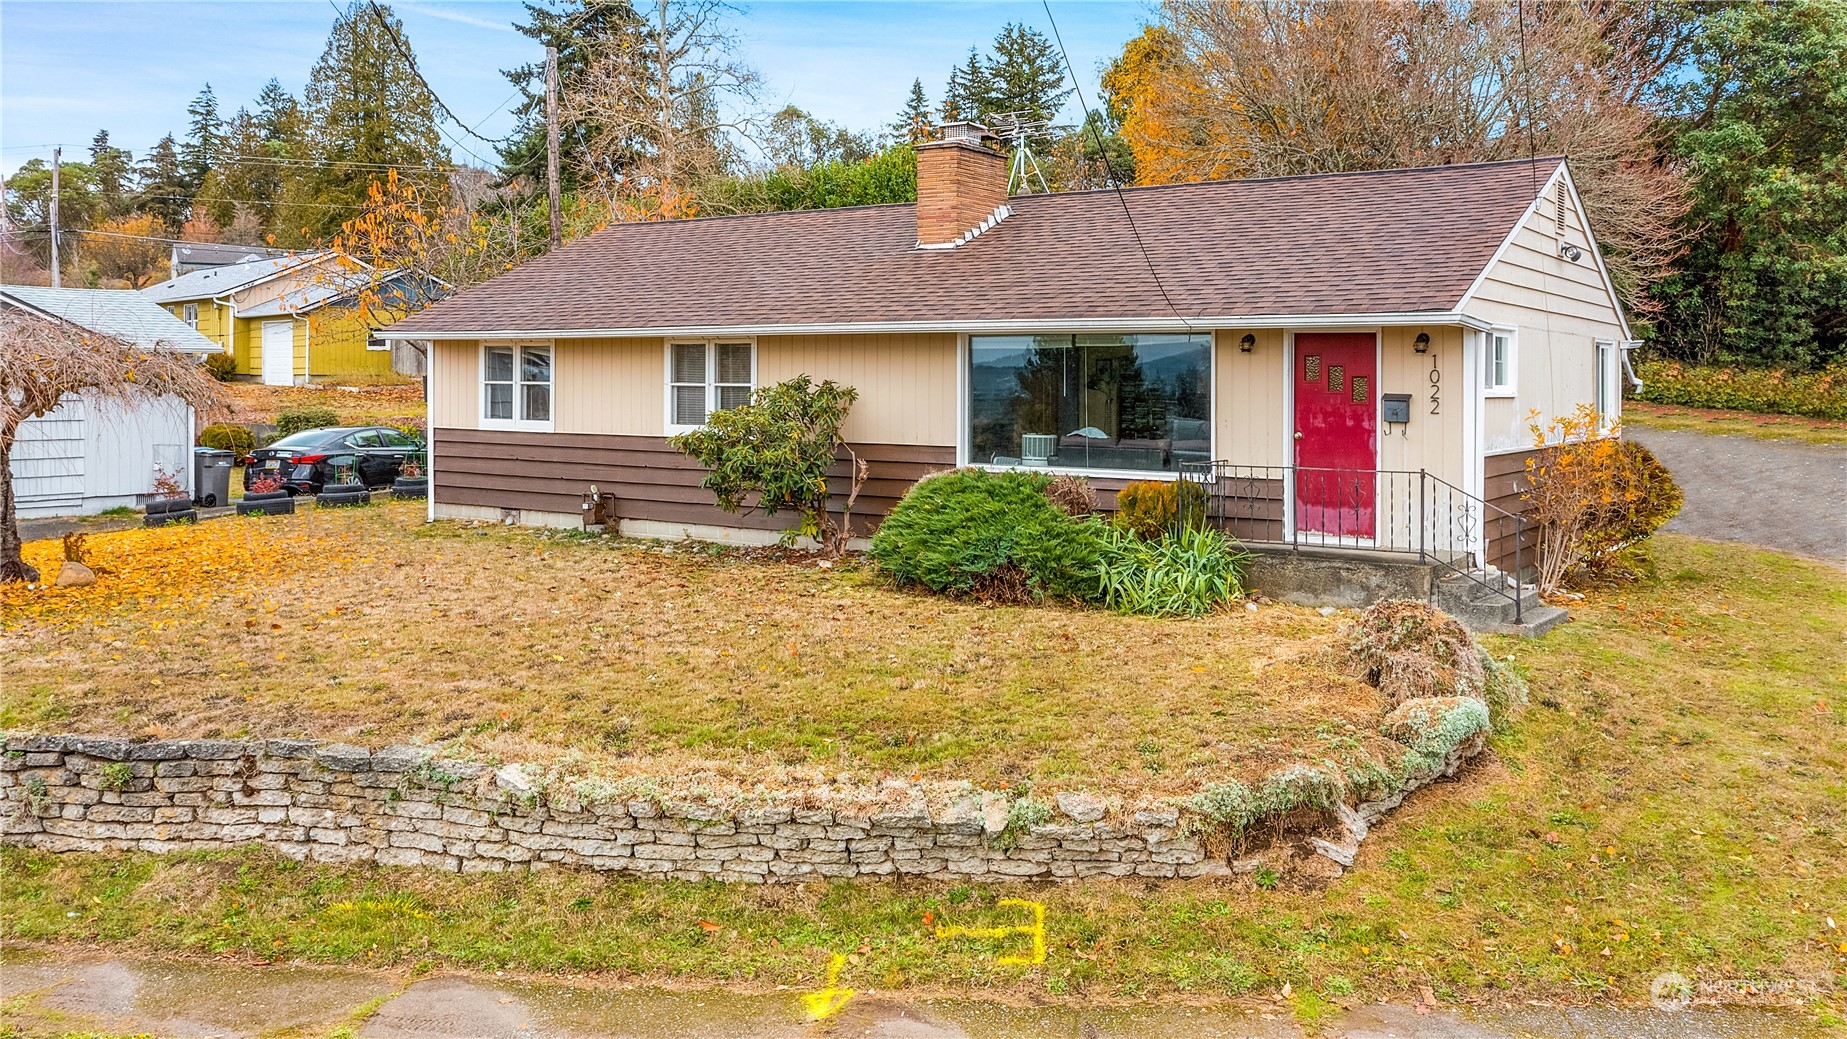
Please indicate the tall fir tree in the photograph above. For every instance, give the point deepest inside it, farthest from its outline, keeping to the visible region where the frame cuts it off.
(114, 169)
(913, 123)
(366, 112)
(967, 94)
(570, 26)
(1026, 74)
(204, 144)
(161, 184)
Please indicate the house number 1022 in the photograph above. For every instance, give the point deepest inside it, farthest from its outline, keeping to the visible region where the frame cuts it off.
(1436, 388)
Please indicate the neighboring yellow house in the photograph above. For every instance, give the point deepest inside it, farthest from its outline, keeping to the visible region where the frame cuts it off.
(286, 320)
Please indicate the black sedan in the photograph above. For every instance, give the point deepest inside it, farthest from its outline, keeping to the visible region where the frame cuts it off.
(372, 455)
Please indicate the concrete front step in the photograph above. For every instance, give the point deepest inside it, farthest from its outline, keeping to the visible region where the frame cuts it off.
(1354, 579)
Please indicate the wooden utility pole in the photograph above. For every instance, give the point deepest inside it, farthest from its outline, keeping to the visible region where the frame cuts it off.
(551, 143)
(57, 279)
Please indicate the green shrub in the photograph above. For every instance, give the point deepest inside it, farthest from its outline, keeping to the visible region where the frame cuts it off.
(1639, 496)
(1773, 391)
(778, 448)
(995, 536)
(226, 437)
(294, 420)
(221, 366)
(1150, 509)
(1189, 574)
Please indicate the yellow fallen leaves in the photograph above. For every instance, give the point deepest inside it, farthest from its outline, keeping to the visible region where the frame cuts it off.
(173, 568)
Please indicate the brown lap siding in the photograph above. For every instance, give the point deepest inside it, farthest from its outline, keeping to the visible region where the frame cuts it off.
(551, 472)
(1504, 480)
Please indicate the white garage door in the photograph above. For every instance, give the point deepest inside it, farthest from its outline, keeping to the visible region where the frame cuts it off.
(278, 353)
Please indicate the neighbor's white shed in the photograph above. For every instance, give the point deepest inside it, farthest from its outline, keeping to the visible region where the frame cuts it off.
(87, 456)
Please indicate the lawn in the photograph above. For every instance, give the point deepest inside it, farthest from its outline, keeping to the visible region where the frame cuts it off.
(386, 404)
(373, 627)
(1736, 423)
(1674, 800)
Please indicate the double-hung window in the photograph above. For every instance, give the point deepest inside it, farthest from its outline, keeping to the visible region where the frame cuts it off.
(1497, 363)
(704, 376)
(190, 314)
(516, 385)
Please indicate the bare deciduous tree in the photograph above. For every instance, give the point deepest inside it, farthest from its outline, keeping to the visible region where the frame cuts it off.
(656, 104)
(45, 362)
(1242, 88)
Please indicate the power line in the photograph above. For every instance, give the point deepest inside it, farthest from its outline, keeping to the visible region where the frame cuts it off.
(411, 60)
(1110, 167)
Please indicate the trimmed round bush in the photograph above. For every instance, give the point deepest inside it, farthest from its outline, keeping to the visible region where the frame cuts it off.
(993, 536)
(226, 437)
(222, 367)
(294, 420)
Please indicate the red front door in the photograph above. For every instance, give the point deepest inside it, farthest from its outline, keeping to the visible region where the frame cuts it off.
(1335, 419)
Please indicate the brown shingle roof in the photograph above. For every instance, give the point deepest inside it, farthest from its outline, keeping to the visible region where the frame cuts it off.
(1390, 241)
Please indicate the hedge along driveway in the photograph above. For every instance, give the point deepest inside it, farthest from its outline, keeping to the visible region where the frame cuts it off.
(527, 646)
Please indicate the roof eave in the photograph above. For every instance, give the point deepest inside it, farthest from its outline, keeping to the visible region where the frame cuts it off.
(1015, 326)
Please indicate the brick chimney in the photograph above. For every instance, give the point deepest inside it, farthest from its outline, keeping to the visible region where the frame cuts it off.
(961, 187)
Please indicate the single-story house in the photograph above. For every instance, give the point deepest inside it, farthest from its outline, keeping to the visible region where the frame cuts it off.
(286, 319)
(1348, 360)
(87, 455)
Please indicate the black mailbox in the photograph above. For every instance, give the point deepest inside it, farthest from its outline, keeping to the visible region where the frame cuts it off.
(1396, 406)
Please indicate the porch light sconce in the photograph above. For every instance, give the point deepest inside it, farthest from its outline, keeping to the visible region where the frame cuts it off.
(1247, 343)
(1422, 343)
(1570, 252)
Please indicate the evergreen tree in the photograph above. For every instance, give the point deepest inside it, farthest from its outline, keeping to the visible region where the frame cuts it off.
(913, 123)
(570, 26)
(968, 91)
(1026, 74)
(161, 188)
(114, 168)
(1766, 280)
(366, 111)
(204, 144)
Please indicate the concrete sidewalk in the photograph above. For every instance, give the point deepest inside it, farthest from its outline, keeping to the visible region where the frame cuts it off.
(59, 993)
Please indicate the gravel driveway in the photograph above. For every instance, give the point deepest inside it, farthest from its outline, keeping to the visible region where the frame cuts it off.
(1776, 493)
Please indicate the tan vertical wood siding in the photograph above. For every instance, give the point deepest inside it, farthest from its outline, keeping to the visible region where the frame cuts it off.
(1248, 407)
(906, 383)
(610, 386)
(1429, 442)
(455, 384)
(1559, 309)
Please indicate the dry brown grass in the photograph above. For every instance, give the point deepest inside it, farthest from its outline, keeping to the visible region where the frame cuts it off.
(520, 644)
(369, 405)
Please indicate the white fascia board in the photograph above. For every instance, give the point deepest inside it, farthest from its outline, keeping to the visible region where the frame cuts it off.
(1004, 327)
(1590, 244)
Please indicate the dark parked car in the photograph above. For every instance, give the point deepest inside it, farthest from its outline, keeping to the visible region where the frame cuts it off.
(314, 457)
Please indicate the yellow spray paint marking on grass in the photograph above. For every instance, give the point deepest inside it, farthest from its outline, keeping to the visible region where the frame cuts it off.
(830, 999)
(1036, 930)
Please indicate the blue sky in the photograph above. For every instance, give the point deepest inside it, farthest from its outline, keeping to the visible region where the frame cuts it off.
(68, 69)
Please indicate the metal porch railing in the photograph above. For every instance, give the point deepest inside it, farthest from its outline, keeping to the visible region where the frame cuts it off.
(1383, 510)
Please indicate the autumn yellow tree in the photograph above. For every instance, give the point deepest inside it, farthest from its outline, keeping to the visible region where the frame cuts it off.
(1252, 88)
(129, 249)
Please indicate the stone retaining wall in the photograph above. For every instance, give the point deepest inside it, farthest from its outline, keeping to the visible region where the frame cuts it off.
(397, 806)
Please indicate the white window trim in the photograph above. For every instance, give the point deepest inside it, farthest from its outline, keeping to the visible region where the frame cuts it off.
(1507, 388)
(376, 345)
(481, 386)
(189, 313)
(711, 376)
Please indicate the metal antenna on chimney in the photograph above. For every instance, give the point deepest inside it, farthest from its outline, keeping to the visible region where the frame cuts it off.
(1018, 133)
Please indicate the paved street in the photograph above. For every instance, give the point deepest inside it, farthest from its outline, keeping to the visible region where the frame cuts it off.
(191, 1000)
